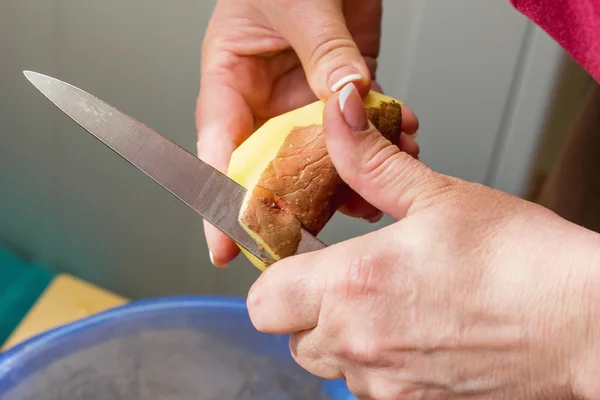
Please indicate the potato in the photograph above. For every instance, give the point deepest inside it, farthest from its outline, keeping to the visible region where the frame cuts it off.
(291, 181)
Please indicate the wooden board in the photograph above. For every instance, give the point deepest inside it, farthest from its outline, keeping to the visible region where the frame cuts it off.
(66, 299)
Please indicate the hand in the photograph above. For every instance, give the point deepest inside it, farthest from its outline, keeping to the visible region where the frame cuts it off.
(262, 58)
(472, 294)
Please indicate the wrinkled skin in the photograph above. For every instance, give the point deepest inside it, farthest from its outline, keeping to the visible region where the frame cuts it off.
(473, 293)
(261, 58)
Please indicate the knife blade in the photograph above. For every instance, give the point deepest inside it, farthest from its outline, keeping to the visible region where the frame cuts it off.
(210, 193)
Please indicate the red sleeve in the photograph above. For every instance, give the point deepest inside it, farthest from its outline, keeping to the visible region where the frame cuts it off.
(574, 24)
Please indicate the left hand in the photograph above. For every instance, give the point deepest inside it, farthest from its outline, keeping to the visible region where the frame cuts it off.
(473, 293)
(260, 59)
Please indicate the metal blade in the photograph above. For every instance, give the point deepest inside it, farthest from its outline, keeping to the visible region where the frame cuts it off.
(213, 195)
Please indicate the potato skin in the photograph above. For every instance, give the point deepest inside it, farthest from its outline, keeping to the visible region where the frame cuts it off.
(303, 176)
(300, 187)
(387, 118)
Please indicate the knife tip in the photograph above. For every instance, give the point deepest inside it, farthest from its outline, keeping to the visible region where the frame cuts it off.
(36, 79)
(29, 74)
(33, 75)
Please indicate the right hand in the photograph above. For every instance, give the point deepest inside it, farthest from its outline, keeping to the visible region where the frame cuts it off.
(473, 293)
(261, 58)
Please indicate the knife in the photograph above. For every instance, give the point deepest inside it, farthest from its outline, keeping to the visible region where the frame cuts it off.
(213, 195)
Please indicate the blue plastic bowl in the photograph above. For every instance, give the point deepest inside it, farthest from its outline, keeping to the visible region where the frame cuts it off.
(200, 348)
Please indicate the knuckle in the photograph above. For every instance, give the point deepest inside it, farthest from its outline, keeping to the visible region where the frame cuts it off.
(253, 302)
(364, 352)
(331, 48)
(383, 161)
(258, 308)
(386, 166)
(363, 277)
(432, 188)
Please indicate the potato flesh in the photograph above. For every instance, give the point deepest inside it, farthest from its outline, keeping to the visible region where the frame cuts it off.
(286, 161)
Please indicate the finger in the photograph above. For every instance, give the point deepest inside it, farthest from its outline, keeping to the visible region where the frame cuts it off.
(408, 145)
(410, 122)
(376, 169)
(375, 85)
(290, 91)
(323, 43)
(221, 125)
(287, 297)
(356, 206)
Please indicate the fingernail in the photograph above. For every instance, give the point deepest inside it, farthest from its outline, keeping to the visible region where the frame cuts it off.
(352, 108)
(215, 263)
(413, 135)
(345, 80)
(375, 218)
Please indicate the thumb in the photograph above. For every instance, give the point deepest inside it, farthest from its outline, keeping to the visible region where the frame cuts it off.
(317, 32)
(391, 180)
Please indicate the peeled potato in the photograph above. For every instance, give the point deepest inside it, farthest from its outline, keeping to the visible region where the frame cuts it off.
(290, 179)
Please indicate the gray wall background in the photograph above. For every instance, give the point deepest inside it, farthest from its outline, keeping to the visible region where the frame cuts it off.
(478, 74)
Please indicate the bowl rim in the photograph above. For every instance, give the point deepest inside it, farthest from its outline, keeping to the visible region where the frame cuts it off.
(15, 353)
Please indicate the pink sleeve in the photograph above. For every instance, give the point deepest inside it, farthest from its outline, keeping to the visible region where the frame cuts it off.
(574, 24)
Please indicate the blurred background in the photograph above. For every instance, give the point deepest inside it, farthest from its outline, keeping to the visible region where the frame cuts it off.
(494, 94)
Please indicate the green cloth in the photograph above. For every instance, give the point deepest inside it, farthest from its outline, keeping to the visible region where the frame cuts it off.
(21, 284)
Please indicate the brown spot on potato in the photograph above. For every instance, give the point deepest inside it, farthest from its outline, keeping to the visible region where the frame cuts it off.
(270, 219)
